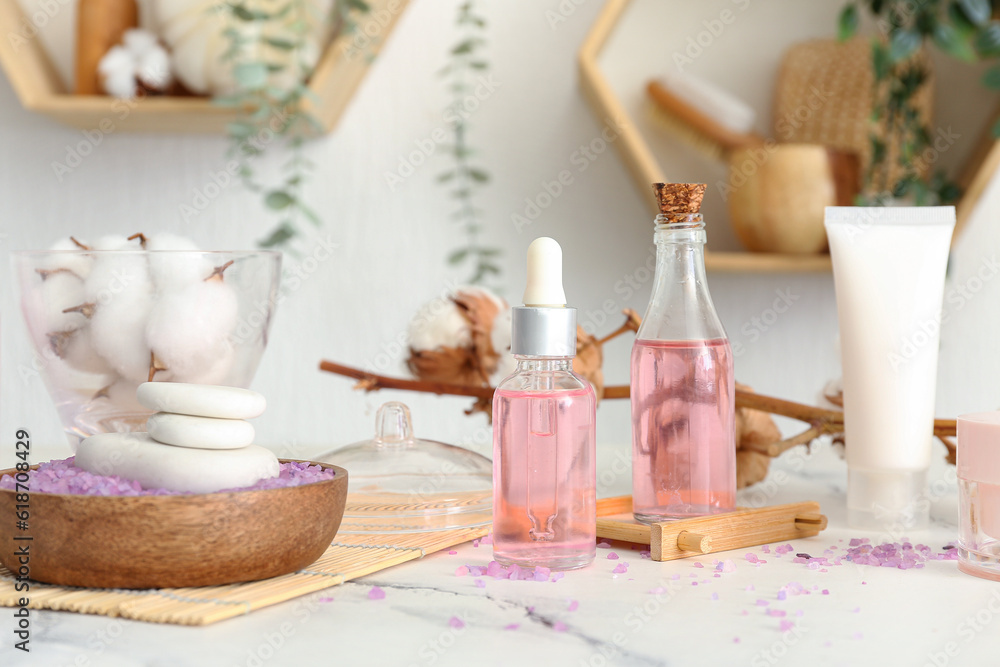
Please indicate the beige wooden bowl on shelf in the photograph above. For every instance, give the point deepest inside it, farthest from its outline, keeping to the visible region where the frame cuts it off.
(173, 541)
(780, 193)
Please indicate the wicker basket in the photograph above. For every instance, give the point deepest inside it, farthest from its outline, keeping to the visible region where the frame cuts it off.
(824, 96)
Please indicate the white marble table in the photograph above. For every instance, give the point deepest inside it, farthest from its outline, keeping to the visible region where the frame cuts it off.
(871, 616)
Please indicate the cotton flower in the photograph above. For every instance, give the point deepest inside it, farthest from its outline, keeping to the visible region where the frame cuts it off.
(171, 270)
(189, 328)
(462, 338)
(139, 59)
(77, 350)
(47, 302)
(76, 262)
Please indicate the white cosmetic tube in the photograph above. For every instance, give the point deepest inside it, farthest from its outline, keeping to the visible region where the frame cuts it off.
(889, 269)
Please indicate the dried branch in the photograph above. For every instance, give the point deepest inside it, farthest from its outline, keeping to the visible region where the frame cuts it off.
(822, 421)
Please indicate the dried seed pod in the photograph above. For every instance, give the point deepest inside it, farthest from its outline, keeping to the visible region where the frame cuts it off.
(452, 338)
(589, 360)
(752, 427)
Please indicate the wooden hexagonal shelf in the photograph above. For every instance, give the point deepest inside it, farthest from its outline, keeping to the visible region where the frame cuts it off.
(39, 87)
(645, 168)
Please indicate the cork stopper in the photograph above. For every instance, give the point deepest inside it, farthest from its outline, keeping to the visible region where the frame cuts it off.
(679, 198)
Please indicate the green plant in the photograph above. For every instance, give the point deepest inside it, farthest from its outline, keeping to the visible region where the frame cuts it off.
(963, 29)
(465, 177)
(272, 112)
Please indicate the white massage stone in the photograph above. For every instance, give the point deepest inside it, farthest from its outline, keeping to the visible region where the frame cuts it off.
(201, 400)
(137, 457)
(199, 432)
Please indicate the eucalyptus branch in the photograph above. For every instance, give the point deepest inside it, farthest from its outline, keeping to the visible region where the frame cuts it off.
(465, 177)
(267, 50)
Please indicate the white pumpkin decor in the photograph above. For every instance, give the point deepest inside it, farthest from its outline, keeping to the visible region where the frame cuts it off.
(194, 30)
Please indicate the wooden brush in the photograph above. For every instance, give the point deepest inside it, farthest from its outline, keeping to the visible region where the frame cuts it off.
(694, 126)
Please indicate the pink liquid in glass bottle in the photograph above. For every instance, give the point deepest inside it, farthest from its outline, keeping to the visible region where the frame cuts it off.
(544, 454)
(682, 387)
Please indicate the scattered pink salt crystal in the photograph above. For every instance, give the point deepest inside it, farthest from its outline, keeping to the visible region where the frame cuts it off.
(475, 543)
(603, 545)
(612, 556)
(766, 549)
(461, 571)
(452, 552)
(480, 583)
(826, 591)
(559, 626)
(573, 605)
(456, 622)
(512, 626)
(744, 613)
(786, 625)
(645, 554)
(556, 576)
(659, 590)
(858, 635)
(326, 599)
(621, 568)
(698, 565)
(726, 566)
(715, 596)
(780, 613)
(675, 577)
(751, 558)
(736, 640)
(376, 593)
(762, 603)
(488, 539)
(784, 549)
(750, 587)
(782, 595)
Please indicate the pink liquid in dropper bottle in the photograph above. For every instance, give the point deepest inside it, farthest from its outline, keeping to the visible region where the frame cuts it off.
(544, 454)
(544, 510)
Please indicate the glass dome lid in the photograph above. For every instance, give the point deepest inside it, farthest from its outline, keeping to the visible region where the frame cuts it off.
(401, 484)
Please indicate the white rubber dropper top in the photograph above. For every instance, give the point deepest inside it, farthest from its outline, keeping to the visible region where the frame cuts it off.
(544, 288)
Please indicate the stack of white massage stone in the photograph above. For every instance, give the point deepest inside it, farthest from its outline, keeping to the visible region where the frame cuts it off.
(197, 442)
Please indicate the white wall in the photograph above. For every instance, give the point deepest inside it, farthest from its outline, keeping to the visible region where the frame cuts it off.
(392, 244)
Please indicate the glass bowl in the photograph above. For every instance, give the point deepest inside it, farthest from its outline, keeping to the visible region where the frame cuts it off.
(104, 321)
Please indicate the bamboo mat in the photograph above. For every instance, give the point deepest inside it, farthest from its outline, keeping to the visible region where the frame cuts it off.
(349, 557)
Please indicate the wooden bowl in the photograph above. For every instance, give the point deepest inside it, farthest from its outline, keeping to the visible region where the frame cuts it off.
(174, 541)
(781, 194)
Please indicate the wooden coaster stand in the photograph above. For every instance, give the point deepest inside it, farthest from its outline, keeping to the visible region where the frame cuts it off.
(720, 532)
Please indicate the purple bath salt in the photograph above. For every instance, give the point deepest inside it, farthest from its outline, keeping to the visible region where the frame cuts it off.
(63, 477)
